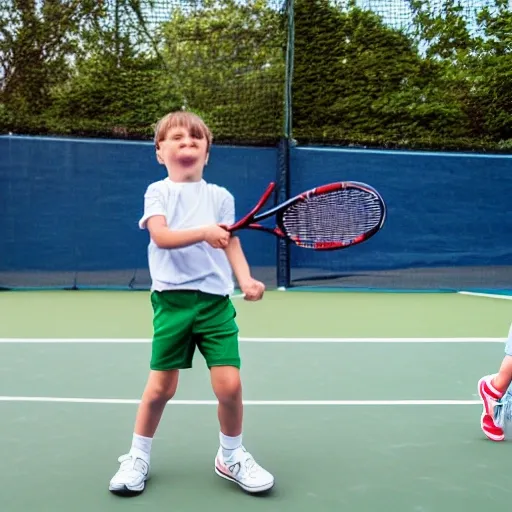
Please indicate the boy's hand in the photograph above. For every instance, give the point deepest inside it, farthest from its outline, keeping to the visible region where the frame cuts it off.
(216, 236)
(252, 289)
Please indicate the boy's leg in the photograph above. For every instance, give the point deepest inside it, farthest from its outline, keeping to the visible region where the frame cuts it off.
(134, 466)
(227, 385)
(492, 388)
(233, 462)
(172, 350)
(217, 337)
(160, 388)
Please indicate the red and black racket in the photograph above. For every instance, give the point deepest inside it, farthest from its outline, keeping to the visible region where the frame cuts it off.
(328, 217)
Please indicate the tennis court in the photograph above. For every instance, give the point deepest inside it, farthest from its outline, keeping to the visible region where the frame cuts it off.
(353, 399)
(360, 380)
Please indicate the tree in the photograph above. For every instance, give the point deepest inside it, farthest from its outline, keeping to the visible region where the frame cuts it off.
(471, 49)
(225, 60)
(38, 38)
(360, 81)
(491, 92)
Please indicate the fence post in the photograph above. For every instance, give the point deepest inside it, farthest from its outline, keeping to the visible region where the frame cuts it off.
(283, 192)
(283, 171)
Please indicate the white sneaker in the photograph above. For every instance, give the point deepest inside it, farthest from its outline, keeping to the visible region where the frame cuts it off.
(242, 469)
(131, 476)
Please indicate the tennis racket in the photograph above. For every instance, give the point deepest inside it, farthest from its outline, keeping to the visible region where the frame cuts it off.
(333, 216)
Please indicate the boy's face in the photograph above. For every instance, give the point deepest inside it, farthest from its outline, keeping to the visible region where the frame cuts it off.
(182, 153)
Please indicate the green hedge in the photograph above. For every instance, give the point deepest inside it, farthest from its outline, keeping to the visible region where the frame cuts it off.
(444, 83)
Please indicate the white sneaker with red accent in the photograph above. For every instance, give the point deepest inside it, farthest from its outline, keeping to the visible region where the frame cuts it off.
(242, 469)
(490, 396)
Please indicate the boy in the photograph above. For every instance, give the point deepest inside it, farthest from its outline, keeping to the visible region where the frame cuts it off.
(491, 389)
(190, 260)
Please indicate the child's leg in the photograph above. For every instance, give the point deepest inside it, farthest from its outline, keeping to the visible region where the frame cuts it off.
(501, 381)
(160, 388)
(227, 387)
(233, 461)
(216, 334)
(134, 470)
(491, 388)
(172, 350)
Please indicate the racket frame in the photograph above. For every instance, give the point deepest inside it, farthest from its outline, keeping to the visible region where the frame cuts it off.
(252, 220)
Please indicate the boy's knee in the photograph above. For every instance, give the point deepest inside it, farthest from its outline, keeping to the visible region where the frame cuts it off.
(226, 384)
(160, 395)
(160, 389)
(228, 393)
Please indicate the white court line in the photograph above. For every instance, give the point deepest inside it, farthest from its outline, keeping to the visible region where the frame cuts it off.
(487, 295)
(246, 402)
(266, 340)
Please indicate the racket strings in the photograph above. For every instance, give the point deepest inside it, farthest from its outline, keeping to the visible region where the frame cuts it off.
(338, 216)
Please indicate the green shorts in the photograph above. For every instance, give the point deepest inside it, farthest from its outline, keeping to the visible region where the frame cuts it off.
(185, 319)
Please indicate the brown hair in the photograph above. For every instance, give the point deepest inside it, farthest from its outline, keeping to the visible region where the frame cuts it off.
(188, 120)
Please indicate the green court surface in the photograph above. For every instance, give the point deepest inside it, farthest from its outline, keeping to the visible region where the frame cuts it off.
(353, 400)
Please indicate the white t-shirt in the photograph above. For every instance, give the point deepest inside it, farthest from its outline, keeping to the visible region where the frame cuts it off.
(185, 206)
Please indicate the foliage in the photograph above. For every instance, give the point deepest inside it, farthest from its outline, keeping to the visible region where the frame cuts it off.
(113, 67)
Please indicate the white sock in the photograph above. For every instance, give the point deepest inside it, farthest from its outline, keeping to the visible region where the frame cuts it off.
(141, 446)
(229, 444)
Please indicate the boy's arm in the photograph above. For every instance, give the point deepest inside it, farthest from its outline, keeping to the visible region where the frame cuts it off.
(234, 251)
(167, 239)
(252, 288)
(237, 260)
